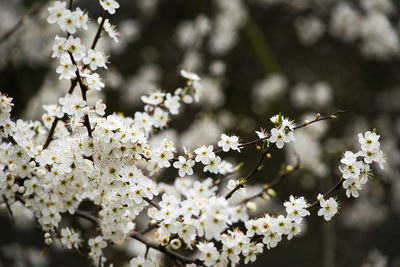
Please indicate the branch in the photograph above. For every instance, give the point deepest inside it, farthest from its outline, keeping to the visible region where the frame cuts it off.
(166, 251)
(88, 216)
(151, 227)
(274, 183)
(75, 81)
(151, 202)
(51, 133)
(9, 209)
(317, 119)
(337, 186)
(35, 9)
(84, 89)
(99, 29)
(255, 169)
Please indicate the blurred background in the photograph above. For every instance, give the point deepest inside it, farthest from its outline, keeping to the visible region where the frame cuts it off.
(256, 58)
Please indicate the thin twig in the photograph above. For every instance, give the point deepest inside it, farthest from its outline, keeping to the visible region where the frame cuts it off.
(88, 216)
(165, 250)
(35, 9)
(278, 179)
(84, 89)
(268, 135)
(99, 29)
(337, 186)
(256, 167)
(74, 81)
(51, 133)
(9, 210)
(253, 171)
(151, 202)
(151, 227)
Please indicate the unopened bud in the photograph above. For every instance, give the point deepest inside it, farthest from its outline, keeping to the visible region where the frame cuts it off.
(47, 235)
(251, 206)
(268, 155)
(32, 164)
(40, 173)
(318, 116)
(289, 168)
(271, 192)
(306, 122)
(48, 241)
(333, 117)
(21, 189)
(265, 196)
(258, 147)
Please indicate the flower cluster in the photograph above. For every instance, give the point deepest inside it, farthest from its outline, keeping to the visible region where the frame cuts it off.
(357, 172)
(78, 153)
(283, 131)
(68, 20)
(201, 214)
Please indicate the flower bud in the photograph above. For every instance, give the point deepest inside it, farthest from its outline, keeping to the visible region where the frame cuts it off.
(21, 189)
(40, 173)
(265, 196)
(289, 168)
(251, 206)
(271, 192)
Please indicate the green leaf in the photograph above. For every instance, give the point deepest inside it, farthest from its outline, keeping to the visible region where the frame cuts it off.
(265, 144)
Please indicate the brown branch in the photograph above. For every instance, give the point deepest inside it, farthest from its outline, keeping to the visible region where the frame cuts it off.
(9, 210)
(278, 179)
(317, 119)
(51, 133)
(256, 167)
(151, 202)
(253, 171)
(88, 216)
(99, 29)
(165, 250)
(74, 81)
(84, 89)
(151, 227)
(35, 9)
(337, 186)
